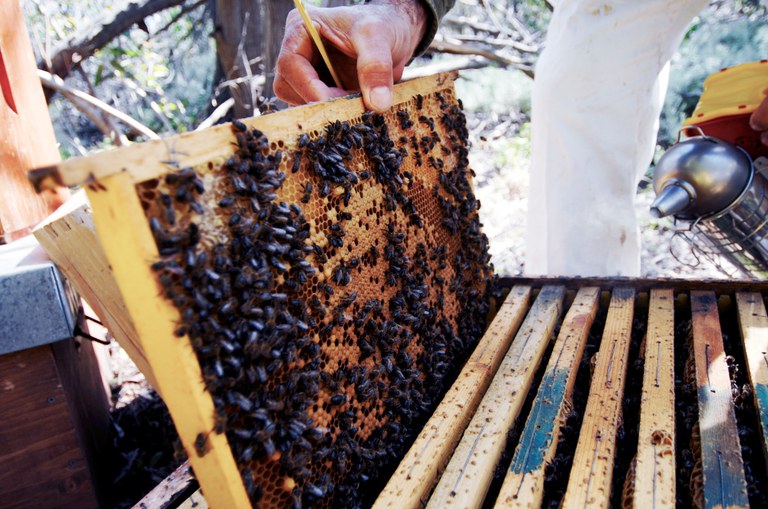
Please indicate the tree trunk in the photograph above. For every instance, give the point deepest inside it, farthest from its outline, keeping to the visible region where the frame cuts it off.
(275, 12)
(238, 30)
(263, 35)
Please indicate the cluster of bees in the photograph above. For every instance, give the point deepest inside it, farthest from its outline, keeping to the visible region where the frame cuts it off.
(331, 286)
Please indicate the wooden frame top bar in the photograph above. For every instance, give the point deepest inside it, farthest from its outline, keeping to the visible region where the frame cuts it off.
(193, 148)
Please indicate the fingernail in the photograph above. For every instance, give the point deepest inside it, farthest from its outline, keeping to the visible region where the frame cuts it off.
(381, 98)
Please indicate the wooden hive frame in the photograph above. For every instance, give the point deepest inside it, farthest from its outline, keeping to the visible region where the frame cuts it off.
(112, 181)
(669, 332)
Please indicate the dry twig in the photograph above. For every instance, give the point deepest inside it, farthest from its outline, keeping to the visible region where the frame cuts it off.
(55, 82)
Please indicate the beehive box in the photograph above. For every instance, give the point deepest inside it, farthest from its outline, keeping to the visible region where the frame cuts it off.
(304, 286)
(613, 393)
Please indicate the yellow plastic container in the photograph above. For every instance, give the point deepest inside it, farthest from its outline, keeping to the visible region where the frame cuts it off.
(729, 98)
(734, 90)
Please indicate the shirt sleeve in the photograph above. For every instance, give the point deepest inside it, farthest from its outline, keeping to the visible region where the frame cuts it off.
(436, 9)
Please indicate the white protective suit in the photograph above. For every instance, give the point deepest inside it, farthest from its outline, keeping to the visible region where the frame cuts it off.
(599, 88)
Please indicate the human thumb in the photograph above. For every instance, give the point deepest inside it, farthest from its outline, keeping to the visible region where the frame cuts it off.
(374, 73)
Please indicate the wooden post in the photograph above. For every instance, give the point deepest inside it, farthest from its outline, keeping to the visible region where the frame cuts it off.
(753, 321)
(589, 484)
(724, 482)
(417, 473)
(470, 471)
(655, 470)
(26, 134)
(524, 483)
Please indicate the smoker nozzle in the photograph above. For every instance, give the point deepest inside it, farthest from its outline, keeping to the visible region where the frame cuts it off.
(672, 200)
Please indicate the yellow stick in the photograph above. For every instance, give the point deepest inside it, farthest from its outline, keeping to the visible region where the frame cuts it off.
(318, 41)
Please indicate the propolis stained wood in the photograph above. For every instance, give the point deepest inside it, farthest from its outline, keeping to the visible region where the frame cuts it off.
(524, 481)
(753, 323)
(590, 481)
(655, 465)
(470, 470)
(629, 437)
(419, 470)
(724, 484)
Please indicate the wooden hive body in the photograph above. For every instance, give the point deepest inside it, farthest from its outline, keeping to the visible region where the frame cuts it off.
(603, 393)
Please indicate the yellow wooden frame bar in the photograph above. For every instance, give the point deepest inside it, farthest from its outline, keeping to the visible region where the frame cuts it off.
(143, 161)
(130, 248)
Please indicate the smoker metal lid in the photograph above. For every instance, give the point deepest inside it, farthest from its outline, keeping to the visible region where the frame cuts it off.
(35, 306)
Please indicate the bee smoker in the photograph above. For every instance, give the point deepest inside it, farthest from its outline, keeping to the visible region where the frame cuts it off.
(715, 179)
(716, 187)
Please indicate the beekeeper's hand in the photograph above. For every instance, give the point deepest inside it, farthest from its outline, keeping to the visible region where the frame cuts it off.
(369, 46)
(759, 120)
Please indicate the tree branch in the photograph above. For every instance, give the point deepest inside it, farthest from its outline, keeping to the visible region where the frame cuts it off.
(83, 45)
(185, 10)
(58, 84)
(489, 10)
(101, 123)
(444, 46)
(219, 113)
(477, 26)
(454, 64)
(500, 42)
(98, 117)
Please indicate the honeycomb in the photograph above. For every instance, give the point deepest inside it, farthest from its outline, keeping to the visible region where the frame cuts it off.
(331, 285)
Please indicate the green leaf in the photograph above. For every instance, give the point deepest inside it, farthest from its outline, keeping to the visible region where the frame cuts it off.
(99, 76)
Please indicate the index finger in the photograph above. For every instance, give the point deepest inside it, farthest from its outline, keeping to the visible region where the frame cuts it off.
(296, 64)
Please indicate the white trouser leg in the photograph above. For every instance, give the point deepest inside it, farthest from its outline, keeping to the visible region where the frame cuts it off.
(599, 88)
